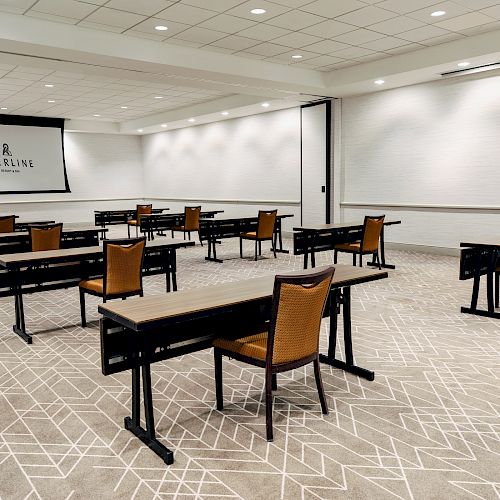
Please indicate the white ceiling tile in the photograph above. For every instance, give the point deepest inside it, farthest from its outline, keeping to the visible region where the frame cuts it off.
(296, 39)
(215, 5)
(64, 8)
(52, 17)
(326, 46)
(386, 43)
(405, 48)
(424, 33)
(17, 7)
(184, 43)
(366, 16)
(293, 4)
(263, 32)
(396, 25)
(442, 39)
(243, 10)
(329, 29)
(235, 43)
(352, 52)
(295, 20)
(495, 25)
(186, 14)
(452, 9)
(147, 8)
(493, 12)
(478, 4)
(325, 60)
(332, 8)
(465, 21)
(227, 24)
(405, 6)
(113, 17)
(148, 26)
(100, 27)
(200, 35)
(358, 37)
(287, 56)
(267, 49)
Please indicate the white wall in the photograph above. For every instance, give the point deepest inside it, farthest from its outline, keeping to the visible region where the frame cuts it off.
(104, 172)
(434, 150)
(238, 165)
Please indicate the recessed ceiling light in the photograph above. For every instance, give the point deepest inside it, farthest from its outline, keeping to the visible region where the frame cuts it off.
(51, 101)
(379, 82)
(160, 27)
(265, 104)
(463, 64)
(97, 116)
(124, 107)
(4, 109)
(140, 130)
(258, 11)
(158, 97)
(225, 113)
(164, 125)
(438, 13)
(191, 120)
(49, 85)
(296, 56)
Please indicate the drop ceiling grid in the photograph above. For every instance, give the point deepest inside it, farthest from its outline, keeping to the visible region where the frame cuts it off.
(23, 91)
(330, 34)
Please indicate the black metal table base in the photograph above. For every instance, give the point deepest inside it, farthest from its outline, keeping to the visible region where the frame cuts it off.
(480, 312)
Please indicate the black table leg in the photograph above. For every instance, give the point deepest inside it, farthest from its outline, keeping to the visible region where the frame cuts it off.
(347, 365)
(20, 327)
(173, 268)
(383, 264)
(212, 243)
(279, 237)
(147, 435)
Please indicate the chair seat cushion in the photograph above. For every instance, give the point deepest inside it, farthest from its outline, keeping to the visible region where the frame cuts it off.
(253, 346)
(349, 247)
(96, 285)
(177, 228)
(132, 223)
(251, 235)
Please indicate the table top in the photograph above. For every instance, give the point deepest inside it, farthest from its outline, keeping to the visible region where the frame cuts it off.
(245, 218)
(126, 211)
(339, 225)
(145, 313)
(69, 230)
(482, 242)
(13, 259)
(180, 214)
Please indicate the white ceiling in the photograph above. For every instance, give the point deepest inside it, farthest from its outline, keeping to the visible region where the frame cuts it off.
(217, 49)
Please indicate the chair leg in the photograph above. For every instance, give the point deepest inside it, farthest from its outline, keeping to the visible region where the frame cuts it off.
(218, 378)
(184, 233)
(128, 229)
(497, 290)
(82, 308)
(275, 382)
(241, 247)
(319, 385)
(199, 237)
(172, 233)
(353, 259)
(335, 255)
(260, 247)
(360, 260)
(269, 405)
(256, 250)
(380, 266)
(137, 231)
(189, 235)
(273, 244)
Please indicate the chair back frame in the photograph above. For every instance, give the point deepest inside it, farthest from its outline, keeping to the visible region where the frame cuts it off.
(8, 222)
(129, 242)
(311, 280)
(262, 214)
(44, 227)
(192, 216)
(367, 220)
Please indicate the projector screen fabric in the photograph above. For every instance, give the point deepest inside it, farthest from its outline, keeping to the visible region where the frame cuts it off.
(32, 155)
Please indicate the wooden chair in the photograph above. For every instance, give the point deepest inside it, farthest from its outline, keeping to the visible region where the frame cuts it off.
(7, 223)
(288, 341)
(46, 237)
(265, 232)
(191, 223)
(139, 212)
(122, 273)
(370, 236)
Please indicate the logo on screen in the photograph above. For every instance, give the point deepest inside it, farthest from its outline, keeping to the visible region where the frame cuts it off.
(6, 150)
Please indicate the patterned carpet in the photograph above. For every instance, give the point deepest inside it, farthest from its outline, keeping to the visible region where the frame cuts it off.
(428, 427)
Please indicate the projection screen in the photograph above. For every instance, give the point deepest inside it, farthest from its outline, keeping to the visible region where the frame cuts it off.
(32, 155)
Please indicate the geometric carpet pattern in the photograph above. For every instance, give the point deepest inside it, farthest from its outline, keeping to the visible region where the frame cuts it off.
(427, 427)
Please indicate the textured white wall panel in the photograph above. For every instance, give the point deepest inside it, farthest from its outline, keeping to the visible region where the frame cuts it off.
(430, 144)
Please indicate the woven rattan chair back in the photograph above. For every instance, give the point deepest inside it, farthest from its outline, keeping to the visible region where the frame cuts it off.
(123, 265)
(192, 218)
(7, 223)
(267, 221)
(142, 210)
(372, 228)
(298, 304)
(45, 237)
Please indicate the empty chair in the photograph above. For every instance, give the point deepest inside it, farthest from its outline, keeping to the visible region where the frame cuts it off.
(139, 212)
(47, 237)
(288, 341)
(191, 223)
(7, 223)
(368, 245)
(122, 273)
(264, 232)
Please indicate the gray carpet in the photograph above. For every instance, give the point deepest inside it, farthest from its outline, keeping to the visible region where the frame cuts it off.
(428, 427)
